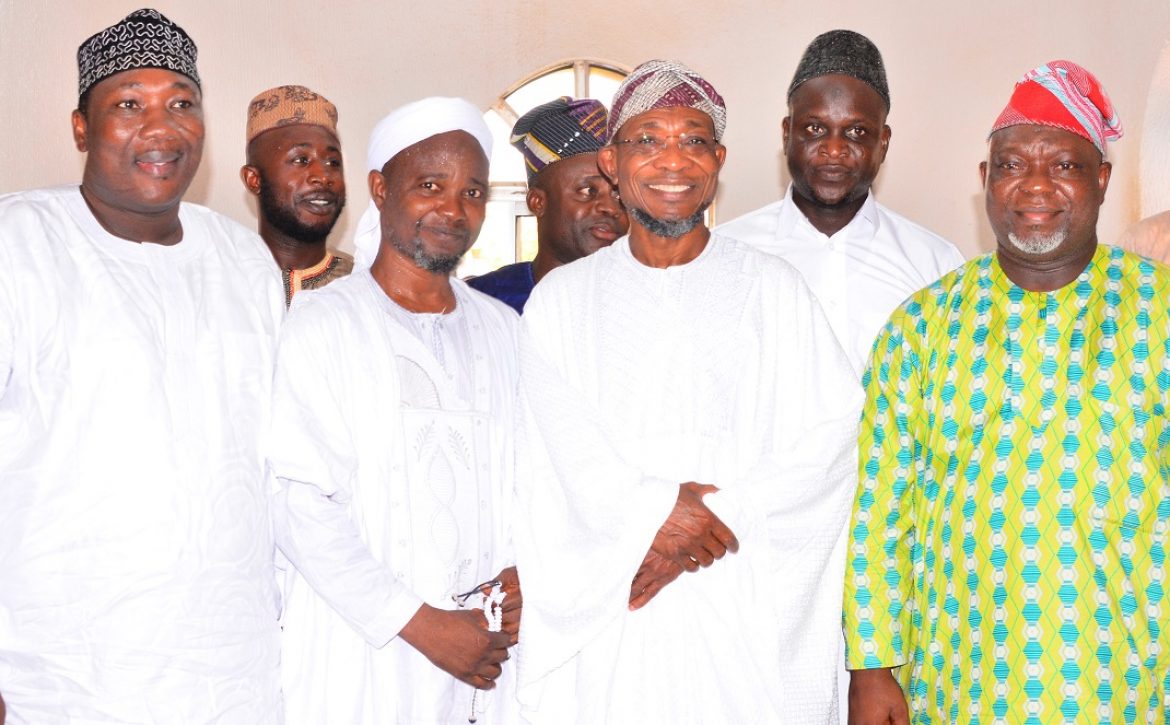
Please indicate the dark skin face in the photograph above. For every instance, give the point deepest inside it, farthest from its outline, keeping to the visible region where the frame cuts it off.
(143, 135)
(432, 197)
(670, 185)
(835, 139)
(297, 173)
(577, 212)
(1044, 188)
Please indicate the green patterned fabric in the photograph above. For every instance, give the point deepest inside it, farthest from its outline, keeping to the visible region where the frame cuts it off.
(1008, 545)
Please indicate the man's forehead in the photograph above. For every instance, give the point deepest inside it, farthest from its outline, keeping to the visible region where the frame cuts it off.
(1038, 137)
(299, 135)
(143, 77)
(432, 156)
(661, 117)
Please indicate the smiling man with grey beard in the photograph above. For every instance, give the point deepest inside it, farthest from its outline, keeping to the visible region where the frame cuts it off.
(693, 452)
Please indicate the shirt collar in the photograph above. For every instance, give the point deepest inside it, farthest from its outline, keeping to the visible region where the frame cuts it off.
(863, 225)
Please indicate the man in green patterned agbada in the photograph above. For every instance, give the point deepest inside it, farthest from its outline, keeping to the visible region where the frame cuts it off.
(1008, 548)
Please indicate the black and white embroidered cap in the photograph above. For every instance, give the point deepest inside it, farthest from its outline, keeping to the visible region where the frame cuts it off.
(143, 39)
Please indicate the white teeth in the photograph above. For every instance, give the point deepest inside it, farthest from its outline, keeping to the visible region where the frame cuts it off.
(319, 202)
(669, 188)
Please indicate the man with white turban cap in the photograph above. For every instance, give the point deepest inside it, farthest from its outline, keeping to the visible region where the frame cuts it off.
(392, 445)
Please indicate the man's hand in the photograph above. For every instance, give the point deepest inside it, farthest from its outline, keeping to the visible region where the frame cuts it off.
(875, 698)
(513, 602)
(693, 536)
(458, 642)
(655, 573)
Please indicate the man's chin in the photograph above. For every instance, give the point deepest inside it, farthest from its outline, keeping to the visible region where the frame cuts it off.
(667, 228)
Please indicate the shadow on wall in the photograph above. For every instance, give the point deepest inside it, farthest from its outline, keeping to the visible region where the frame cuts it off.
(1155, 145)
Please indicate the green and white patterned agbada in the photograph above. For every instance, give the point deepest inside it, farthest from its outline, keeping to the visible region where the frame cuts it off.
(1008, 543)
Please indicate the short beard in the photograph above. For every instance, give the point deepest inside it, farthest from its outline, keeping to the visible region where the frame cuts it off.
(441, 264)
(1037, 244)
(287, 222)
(665, 228)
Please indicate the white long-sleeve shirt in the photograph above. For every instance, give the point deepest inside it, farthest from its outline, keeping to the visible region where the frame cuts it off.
(861, 273)
(136, 577)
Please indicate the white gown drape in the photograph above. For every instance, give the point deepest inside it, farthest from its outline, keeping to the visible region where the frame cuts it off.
(721, 371)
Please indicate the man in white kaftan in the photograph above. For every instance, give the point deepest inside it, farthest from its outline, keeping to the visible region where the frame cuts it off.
(393, 444)
(136, 353)
(860, 258)
(679, 356)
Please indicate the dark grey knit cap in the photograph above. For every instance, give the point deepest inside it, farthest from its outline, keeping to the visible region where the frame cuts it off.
(844, 52)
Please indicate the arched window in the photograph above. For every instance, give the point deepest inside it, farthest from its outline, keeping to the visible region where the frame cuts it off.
(509, 231)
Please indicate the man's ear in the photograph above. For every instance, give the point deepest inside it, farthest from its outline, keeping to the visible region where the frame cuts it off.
(250, 175)
(80, 129)
(537, 201)
(983, 174)
(785, 129)
(377, 184)
(607, 163)
(1103, 175)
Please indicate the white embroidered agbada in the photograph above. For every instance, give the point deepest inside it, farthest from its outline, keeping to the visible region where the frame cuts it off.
(395, 490)
(721, 371)
(136, 576)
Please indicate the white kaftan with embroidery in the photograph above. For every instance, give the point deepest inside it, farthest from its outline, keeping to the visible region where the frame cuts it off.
(136, 577)
(393, 445)
(722, 371)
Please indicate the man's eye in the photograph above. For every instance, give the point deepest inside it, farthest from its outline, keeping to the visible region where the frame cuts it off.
(697, 141)
(300, 160)
(428, 185)
(184, 104)
(333, 162)
(648, 140)
(128, 103)
(475, 193)
(856, 133)
(813, 129)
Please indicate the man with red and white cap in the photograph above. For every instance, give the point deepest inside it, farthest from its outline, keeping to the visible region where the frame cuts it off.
(677, 545)
(1007, 558)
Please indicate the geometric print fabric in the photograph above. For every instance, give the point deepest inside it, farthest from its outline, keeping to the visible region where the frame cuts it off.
(1007, 550)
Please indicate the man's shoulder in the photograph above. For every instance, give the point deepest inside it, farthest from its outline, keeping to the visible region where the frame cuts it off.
(486, 304)
(754, 223)
(509, 274)
(911, 233)
(510, 284)
(223, 230)
(48, 205)
(751, 260)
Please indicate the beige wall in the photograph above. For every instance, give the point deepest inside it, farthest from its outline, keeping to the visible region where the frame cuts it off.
(951, 68)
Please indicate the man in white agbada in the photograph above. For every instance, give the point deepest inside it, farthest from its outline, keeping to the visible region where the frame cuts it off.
(137, 337)
(687, 391)
(392, 441)
(860, 258)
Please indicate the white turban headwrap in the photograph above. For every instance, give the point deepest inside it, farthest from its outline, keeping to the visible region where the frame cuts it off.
(402, 129)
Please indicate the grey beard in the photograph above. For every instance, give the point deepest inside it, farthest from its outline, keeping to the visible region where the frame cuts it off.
(433, 263)
(669, 229)
(1038, 244)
